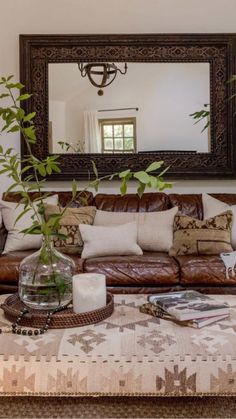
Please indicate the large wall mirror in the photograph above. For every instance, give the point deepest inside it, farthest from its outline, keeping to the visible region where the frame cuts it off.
(169, 100)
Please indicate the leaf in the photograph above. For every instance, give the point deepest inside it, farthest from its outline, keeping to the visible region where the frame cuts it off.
(164, 171)
(30, 133)
(25, 169)
(55, 168)
(35, 229)
(5, 127)
(14, 86)
(124, 173)
(141, 189)
(94, 184)
(20, 114)
(43, 256)
(24, 97)
(60, 236)
(123, 187)
(21, 215)
(29, 117)
(14, 185)
(142, 176)
(168, 185)
(205, 126)
(41, 169)
(152, 182)
(48, 169)
(3, 171)
(11, 85)
(154, 166)
(95, 171)
(83, 200)
(4, 95)
(15, 128)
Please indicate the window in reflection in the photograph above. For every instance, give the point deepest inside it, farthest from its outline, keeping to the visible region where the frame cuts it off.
(118, 135)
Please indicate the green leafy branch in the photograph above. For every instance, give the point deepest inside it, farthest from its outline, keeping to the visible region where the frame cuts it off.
(16, 120)
(35, 171)
(75, 148)
(203, 114)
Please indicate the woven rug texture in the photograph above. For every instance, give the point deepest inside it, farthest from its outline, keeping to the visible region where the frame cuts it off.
(118, 407)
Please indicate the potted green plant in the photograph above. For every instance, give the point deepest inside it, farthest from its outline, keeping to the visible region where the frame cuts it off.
(45, 278)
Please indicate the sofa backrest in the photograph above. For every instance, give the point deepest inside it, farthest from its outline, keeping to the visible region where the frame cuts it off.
(191, 204)
(149, 202)
(188, 204)
(63, 196)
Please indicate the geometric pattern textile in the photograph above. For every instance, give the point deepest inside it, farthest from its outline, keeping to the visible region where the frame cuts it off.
(128, 354)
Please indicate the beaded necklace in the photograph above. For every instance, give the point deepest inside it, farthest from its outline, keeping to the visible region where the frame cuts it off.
(16, 329)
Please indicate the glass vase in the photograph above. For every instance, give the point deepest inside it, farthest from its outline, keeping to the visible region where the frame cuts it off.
(45, 278)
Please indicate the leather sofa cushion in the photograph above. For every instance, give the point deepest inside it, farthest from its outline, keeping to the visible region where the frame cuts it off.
(203, 270)
(3, 237)
(9, 266)
(149, 202)
(151, 268)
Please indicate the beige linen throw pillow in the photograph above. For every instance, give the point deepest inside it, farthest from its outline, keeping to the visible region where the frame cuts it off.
(15, 239)
(110, 240)
(196, 237)
(70, 226)
(155, 229)
(213, 206)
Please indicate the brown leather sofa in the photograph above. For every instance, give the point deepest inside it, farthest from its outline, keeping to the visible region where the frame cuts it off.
(152, 272)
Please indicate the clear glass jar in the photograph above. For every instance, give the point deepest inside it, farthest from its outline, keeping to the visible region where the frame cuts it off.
(45, 278)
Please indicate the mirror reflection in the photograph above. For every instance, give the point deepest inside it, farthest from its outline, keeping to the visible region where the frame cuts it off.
(152, 107)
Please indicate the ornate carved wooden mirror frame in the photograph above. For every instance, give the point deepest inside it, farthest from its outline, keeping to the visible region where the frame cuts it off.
(37, 51)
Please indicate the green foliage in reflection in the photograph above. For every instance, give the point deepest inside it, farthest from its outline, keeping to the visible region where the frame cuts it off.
(202, 115)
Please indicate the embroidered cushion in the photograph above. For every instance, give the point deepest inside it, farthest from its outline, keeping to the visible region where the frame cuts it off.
(196, 237)
(69, 225)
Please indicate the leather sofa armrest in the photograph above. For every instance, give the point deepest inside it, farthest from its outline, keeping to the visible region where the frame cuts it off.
(3, 237)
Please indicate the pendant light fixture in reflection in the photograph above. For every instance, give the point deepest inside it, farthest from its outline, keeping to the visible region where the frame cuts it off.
(101, 74)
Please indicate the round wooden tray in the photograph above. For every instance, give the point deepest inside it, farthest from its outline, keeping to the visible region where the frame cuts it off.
(61, 320)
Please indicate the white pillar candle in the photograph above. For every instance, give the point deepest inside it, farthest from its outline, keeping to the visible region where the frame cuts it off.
(89, 292)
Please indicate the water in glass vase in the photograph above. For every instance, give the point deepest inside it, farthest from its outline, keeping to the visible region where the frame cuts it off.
(45, 278)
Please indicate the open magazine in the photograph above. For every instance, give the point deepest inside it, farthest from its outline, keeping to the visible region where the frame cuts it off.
(189, 305)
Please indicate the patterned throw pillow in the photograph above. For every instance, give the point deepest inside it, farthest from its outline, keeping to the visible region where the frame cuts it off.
(196, 237)
(69, 225)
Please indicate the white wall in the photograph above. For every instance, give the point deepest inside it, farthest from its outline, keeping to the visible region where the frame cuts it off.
(110, 16)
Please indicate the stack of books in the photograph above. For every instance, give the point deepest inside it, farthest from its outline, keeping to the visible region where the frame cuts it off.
(189, 308)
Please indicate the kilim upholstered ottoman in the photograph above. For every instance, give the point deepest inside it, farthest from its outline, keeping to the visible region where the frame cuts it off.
(128, 354)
